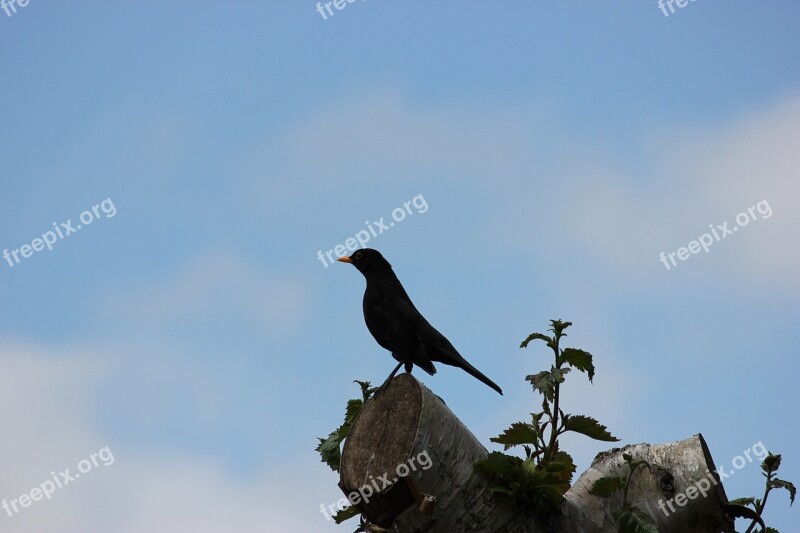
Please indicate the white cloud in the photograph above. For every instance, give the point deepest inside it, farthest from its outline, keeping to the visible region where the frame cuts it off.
(46, 420)
(698, 177)
(753, 159)
(380, 137)
(707, 177)
(620, 213)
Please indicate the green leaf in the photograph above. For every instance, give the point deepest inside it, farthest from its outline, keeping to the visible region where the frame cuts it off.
(606, 486)
(771, 464)
(518, 433)
(346, 514)
(501, 490)
(545, 382)
(562, 461)
(351, 412)
(633, 520)
(558, 327)
(740, 511)
(535, 336)
(532, 487)
(559, 471)
(579, 359)
(546, 408)
(743, 501)
(329, 448)
(552, 479)
(588, 426)
(366, 390)
(559, 373)
(499, 464)
(771, 530)
(781, 484)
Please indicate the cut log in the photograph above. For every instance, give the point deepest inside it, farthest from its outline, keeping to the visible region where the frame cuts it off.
(409, 465)
(403, 422)
(684, 469)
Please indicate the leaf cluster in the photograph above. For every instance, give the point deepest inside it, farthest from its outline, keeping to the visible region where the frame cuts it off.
(630, 519)
(330, 447)
(753, 508)
(540, 479)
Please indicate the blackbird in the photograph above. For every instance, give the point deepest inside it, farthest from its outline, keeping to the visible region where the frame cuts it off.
(397, 325)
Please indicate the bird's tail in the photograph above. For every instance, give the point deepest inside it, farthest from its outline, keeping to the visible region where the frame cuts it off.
(477, 374)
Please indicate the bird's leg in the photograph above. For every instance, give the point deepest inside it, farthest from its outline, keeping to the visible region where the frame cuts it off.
(385, 383)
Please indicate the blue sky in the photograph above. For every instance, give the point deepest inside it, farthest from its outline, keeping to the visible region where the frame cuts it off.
(560, 149)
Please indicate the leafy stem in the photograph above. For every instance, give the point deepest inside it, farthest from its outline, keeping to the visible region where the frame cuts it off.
(540, 480)
(769, 469)
(554, 429)
(759, 507)
(629, 519)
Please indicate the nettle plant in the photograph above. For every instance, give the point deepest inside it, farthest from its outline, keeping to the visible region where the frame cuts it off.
(753, 508)
(540, 479)
(330, 447)
(630, 519)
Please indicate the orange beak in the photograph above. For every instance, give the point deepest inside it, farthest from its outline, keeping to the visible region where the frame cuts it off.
(345, 260)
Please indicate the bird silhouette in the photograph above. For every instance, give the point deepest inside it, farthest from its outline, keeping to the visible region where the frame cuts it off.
(398, 326)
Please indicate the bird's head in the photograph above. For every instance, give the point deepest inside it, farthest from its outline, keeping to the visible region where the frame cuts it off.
(367, 261)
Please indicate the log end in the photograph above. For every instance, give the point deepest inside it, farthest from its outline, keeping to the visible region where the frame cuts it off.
(382, 439)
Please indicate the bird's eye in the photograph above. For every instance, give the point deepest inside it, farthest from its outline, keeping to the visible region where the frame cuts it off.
(358, 255)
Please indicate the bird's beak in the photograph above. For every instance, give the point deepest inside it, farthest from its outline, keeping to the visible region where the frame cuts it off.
(345, 260)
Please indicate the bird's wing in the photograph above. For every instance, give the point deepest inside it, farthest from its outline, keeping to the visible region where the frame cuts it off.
(438, 347)
(392, 321)
(442, 350)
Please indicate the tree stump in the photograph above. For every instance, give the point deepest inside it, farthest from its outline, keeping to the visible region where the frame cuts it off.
(408, 464)
(675, 468)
